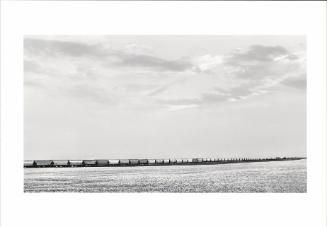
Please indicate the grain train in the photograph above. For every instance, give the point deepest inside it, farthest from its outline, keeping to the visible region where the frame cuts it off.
(146, 162)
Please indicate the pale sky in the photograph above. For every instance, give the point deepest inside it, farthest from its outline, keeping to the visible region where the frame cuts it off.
(164, 96)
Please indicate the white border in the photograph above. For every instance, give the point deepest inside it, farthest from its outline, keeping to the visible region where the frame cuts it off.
(231, 18)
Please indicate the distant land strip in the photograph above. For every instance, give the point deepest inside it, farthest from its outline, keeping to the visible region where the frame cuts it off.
(146, 162)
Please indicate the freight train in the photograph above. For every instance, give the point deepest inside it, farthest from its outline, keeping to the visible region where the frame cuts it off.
(146, 162)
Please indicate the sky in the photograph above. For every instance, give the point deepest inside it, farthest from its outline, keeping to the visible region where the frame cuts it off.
(94, 97)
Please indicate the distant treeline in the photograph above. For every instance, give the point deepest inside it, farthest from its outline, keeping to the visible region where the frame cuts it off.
(146, 162)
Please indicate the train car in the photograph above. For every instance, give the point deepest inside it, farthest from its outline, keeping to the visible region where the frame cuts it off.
(61, 163)
(29, 164)
(185, 160)
(90, 163)
(197, 160)
(172, 161)
(166, 161)
(124, 162)
(151, 161)
(143, 161)
(134, 162)
(44, 163)
(190, 160)
(159, 161)
(102, 162)
(76, 163)
(113, 162)
(179, 161)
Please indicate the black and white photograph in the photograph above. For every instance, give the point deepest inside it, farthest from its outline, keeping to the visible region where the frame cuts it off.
(165, 113)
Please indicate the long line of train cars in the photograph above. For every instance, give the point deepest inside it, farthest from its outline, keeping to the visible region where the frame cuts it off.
(145, 162)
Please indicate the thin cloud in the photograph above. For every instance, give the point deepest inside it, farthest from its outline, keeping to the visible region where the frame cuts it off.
(130, 60)
(97, 72)
(33, 84)
(256, 53)
(31, 66)
(164, 87)
(94, 94)
(65, 48)
(299, 83)
(109, 56)
(265, 67)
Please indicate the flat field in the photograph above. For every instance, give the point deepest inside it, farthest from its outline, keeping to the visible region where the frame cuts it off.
(276, 176)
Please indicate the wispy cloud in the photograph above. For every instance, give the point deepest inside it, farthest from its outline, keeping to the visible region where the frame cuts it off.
(106, 54)
(296, 82)
(256, 53)
(165, 87)
(58, 48)
(135, 75)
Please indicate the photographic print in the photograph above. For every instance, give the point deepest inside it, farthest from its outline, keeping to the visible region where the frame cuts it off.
(165, 113)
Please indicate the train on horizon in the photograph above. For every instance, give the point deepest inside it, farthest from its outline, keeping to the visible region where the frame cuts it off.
(146, 162)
